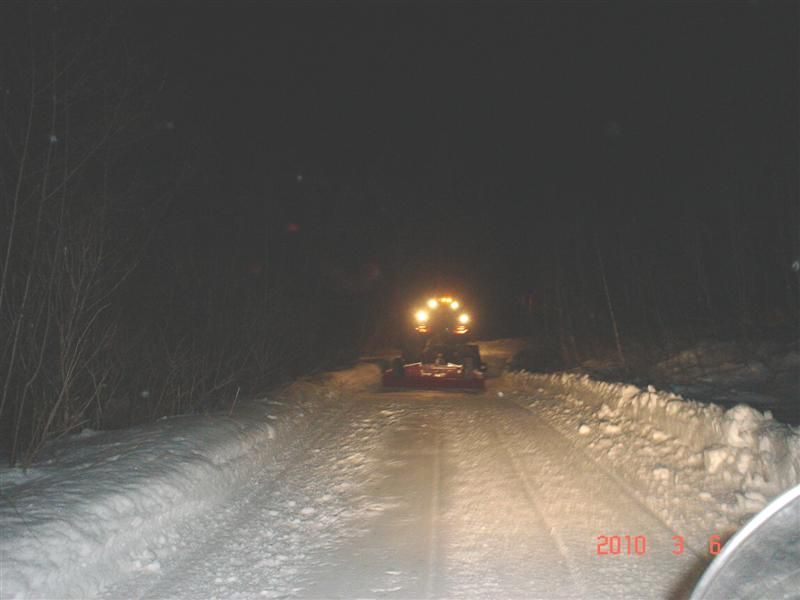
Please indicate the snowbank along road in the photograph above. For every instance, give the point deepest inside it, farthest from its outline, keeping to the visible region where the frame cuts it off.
(540, 487)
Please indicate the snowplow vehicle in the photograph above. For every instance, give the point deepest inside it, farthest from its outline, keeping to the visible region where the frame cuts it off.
(437, 351)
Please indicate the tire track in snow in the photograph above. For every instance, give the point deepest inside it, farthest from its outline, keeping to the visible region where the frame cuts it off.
(589, 501)
(436, 478)
(399, 552)
(629, 490)
(496, 544)
(531, 496)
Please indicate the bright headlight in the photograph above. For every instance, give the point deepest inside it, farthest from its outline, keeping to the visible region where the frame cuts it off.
(422, 316)
(432, 303)
(454, 305)
(463, 318)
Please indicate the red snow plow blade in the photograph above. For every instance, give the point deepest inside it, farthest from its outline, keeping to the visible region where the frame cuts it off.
(433, 377)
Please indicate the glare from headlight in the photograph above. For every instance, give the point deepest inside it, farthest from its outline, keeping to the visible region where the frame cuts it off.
(463, 318)
(432, 303)
(422, 316)
(454, 305)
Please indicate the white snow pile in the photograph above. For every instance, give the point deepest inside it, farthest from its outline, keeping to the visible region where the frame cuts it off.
(102, 504)
(696, 465)
(727, 363)
(763, 374)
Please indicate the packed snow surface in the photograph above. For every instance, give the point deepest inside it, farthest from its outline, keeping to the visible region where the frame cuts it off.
(544, 486)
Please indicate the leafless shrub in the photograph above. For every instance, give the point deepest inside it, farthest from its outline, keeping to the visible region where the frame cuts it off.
(67, 111)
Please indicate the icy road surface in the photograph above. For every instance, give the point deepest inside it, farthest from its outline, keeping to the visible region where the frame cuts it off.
(423, 495)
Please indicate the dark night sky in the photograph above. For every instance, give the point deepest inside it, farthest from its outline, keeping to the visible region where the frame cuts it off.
(493, 92)
(493, 122)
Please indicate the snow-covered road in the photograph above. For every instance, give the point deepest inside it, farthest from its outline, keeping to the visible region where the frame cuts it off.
(465, 495)
(543, 486)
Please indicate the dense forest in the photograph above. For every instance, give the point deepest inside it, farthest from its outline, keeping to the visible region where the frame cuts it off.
(161, 254)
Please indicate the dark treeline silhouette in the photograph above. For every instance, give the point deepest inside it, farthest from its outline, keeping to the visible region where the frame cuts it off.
(162, 256)
(134, 285)
(707, 262)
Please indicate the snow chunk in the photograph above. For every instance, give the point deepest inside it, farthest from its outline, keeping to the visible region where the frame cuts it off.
(584, 429)
(740, 426)
(659, 436)
(716, 457)
(605, 412)
(662, 474)
(750, 502)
